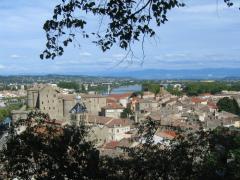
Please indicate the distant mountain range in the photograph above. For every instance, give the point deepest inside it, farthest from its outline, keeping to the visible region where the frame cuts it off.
(211, 73)
(158, 74)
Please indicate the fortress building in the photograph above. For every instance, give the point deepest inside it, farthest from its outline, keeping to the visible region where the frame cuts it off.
(51, 100)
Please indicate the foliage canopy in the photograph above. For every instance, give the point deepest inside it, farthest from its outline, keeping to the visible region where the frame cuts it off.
(126, 21)
(45, 150)
(229, 105)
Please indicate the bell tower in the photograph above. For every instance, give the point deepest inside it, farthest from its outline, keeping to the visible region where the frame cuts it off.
(78, 112)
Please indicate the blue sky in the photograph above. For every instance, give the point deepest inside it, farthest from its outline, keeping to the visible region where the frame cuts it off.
(204, 34)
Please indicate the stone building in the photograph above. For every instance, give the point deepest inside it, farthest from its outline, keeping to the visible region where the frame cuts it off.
(147, 105)
(52, 100)
(113, 110)
(122, 99)
(106, 129)
(94, 103)
(19, 114)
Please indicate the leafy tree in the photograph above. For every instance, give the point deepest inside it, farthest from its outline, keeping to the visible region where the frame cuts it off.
(152, 87)
(126, 113)
(174, 91)
(69, 85)
(137, 93)
(127, 21)
(100, 88)
(196, 88)
(222, 160)
(228, 105)
(235, 87)
(6, 111)
(47, 151)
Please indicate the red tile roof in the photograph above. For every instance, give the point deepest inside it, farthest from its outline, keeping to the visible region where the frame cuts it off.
(111, 100)
(54, 122)
(197, 100)
(167, 134)
(110, 145)
(84, 96)
(120, 96)
(113, 106)
(98, 119)
(108, 121)
(118, 122)
(212, 105)
(206, 94)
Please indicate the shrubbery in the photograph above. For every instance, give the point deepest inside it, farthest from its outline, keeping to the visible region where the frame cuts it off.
(48, 151)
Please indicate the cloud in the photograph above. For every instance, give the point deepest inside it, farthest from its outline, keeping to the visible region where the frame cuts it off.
(172, 56)
(120, 56)
(15, 56)
(206, 8)
(2, 66)
(86, 54)
(194, 37)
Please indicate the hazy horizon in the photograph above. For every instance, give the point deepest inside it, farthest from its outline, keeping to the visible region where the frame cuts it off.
(204, 34)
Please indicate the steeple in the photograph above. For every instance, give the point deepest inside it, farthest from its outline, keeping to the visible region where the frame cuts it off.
(78, 112)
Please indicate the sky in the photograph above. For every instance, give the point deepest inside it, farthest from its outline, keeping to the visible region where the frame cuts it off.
(204, 34)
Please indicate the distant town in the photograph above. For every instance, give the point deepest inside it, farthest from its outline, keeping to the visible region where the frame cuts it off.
(111, 107)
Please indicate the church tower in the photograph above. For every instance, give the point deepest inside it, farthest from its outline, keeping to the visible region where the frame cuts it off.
(78, 112)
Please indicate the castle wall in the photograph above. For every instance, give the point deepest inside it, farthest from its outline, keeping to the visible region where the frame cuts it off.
(49, 102)
(32, 96)
(95, 104)
(57, 105)
(67, 106)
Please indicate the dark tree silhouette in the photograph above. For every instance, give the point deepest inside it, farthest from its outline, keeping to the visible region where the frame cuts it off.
(126, 113)
(126, 21)
(45, 150)
(229, 105)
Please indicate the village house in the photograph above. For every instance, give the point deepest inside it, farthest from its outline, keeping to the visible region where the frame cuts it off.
(94, 103)
(147, 105)
(106, 129)
(113, 110)
(148, 94)
(122, 99)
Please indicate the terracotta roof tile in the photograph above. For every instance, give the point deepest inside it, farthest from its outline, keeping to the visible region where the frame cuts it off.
(212, 105)
(113, 106)
(120, 96)
(108, 121)
(197, 100)
(110, 145)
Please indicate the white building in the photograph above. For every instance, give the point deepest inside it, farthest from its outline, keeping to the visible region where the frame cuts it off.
(113, 110)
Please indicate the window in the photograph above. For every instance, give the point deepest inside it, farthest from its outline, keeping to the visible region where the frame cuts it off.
(49, 108)
(42, 102)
